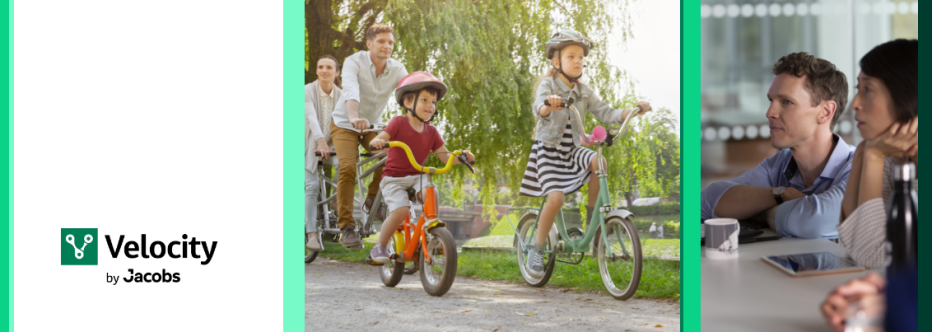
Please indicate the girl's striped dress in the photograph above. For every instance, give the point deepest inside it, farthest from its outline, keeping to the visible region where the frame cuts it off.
(564, 167)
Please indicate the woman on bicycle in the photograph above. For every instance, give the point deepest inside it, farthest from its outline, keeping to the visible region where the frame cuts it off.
(558, 165)
(319, 98)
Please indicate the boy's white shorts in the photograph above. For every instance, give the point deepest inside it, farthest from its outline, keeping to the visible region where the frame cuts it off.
(394, 189)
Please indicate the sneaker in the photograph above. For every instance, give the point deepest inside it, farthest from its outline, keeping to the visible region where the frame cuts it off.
(380, 214)
(379, 254)
(312, 242)
(350, 239)
(535, 261)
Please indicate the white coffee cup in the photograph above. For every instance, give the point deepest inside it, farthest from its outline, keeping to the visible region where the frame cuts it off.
(721, 238)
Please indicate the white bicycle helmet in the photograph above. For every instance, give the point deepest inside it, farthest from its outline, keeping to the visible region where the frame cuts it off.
(563, 39)
(566, 38)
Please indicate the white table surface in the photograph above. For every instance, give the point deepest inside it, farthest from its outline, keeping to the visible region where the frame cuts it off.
(747, 294)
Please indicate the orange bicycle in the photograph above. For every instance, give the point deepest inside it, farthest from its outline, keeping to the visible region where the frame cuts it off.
(428, 244)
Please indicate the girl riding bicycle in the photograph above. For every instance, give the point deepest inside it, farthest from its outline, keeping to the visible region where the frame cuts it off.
(558, 165)
(418, 93)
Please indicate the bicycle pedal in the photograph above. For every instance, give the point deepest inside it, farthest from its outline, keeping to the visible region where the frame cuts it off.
(372, 262)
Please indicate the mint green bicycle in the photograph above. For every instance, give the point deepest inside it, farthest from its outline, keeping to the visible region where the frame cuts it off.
(617, 245)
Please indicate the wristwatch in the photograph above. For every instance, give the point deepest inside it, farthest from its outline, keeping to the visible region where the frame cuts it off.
(778, 194)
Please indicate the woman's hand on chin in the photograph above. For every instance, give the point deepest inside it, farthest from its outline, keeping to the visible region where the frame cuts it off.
(900, 140)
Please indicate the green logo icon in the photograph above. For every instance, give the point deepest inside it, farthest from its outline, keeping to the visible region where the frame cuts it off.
(78, 246)
(79, 253)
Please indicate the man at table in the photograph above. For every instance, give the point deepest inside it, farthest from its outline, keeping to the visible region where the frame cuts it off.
(798, 190)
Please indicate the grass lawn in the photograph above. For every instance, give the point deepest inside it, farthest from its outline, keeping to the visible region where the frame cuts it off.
(659, 218)
(659, 247)
(659, 278)
(649, 247)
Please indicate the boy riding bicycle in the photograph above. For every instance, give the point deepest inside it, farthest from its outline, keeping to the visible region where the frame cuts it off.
(418, 94)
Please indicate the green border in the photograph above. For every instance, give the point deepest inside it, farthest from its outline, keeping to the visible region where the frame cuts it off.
(924, 292)
(8, 230)
(689, 81)
(689, 165)
(293, 131)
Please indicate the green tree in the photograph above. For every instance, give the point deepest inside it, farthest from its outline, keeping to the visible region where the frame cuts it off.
(489, 53)
(668, 160)
(636, 159)
(336, 27)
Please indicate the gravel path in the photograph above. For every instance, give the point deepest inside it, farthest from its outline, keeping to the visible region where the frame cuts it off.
(350, 296)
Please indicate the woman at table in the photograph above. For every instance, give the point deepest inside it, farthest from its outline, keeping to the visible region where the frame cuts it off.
(319, 98)
(886, 109)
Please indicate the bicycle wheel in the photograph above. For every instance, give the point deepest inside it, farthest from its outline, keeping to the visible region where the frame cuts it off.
(310, 255)
(526, 227)
(391, 273)
(437, 277)
(620, 271)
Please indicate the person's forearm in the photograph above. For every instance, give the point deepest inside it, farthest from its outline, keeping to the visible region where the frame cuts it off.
(444, 154)
(544, 111)
(850, 202)
(871, 184)
(310, 115)
(767, 216)
(624, 114)
(352, 109)
(384, 135)
(742, 202)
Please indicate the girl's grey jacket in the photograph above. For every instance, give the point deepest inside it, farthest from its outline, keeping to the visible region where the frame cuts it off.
(550, 128)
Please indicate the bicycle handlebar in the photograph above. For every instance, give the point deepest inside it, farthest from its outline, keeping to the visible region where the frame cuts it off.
(418, 167)
(373, 127)
(565, 103)
(613, 134)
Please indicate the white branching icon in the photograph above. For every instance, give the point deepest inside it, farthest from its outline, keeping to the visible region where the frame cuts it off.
(79, 253)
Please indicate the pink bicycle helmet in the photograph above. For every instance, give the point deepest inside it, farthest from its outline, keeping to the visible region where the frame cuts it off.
(415, 82)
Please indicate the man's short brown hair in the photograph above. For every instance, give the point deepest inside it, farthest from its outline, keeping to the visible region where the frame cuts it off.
(378, 28)
(823, 80)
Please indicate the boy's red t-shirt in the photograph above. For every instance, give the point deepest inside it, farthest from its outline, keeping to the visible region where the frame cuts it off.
(421, 144)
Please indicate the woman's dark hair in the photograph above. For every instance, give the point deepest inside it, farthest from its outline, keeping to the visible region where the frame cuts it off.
(896, 63)
(336, 80)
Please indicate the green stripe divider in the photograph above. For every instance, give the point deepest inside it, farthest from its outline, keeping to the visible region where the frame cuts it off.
(293, 144)
(690, 315)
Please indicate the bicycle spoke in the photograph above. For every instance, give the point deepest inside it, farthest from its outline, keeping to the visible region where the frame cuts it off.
(620, 259)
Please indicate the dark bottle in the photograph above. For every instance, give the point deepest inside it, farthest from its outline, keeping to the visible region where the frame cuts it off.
(902, 218)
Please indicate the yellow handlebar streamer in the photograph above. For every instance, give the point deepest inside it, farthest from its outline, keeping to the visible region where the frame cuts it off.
(420, 168)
